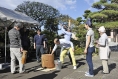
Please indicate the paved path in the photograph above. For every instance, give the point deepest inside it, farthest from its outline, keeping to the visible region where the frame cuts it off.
(67, 72)
(113, 66)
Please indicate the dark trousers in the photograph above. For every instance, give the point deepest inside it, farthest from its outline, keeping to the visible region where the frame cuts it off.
(39, 51)
(69, 56)
(90, 50)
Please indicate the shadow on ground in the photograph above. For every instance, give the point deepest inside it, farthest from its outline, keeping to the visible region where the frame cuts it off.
(46, 76)
(5, 70)
(79, 63)
(111, 67)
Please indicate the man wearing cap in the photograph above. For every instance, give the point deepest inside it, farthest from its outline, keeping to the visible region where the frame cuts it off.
(103, 49)
(68, 46)
(89, 49)
(16, 48)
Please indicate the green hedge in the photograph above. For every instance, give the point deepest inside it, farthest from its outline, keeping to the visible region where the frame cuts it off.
(79, 50)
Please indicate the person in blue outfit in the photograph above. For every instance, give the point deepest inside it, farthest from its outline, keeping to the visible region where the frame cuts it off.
(39, 44)
(89, 49)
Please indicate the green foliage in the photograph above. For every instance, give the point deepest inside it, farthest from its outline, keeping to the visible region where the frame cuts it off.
(114, 1)
(50, 37)
(51, 25)
(66, 18)
(110, 13)
(103, 1)
(96, 51)
(112, 6)
(92, 13)
(43, 13)
(79, 20)
(97, 5)
(81, 35)
(2, 36)
(80, 32)
(107, 15)
(96, 34)
(87, 12)
(99, 16)
(108, 25)
(79, 50)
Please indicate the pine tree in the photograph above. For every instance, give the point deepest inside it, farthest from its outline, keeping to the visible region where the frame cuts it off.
(106, 15)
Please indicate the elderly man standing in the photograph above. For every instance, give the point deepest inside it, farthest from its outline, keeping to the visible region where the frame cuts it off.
(68, 46)
(16, 48)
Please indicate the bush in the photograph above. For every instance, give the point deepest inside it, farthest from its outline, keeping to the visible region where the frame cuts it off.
(79, 50)
(96, 51)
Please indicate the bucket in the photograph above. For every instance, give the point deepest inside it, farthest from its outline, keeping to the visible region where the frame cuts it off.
(58, 65)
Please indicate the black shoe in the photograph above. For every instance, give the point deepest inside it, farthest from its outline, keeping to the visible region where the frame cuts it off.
(15, 72)
(62, 66)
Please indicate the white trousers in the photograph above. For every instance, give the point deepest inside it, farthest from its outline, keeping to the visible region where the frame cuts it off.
(105, 66)
(15, 53)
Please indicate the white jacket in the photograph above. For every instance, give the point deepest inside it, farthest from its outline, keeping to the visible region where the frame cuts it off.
(64, 43)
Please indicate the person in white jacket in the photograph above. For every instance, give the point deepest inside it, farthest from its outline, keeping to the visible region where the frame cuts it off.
(103, 49)
(68, 46)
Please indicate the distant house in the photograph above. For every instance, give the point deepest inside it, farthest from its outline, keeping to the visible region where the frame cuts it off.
(113, 35)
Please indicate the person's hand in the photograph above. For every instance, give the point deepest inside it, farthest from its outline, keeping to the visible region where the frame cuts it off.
(51, 53)
(85, 51)
(44, 47)
(97, 46)
(34, 47)
(73, 50)
(21, 49)
(96, 42)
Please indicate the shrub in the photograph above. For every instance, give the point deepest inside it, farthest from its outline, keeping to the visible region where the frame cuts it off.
(79, 50)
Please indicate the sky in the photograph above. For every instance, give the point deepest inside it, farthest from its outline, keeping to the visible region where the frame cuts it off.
(73, 8)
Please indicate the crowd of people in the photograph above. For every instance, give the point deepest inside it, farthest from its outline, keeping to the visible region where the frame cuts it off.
(20, 41)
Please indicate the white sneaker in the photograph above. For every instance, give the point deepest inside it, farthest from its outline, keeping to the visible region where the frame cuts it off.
(88, 75)
(74, 67)
(87, 72)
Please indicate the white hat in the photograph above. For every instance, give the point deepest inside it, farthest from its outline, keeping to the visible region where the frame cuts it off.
(102, 29)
